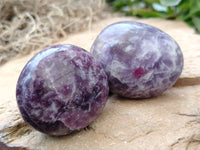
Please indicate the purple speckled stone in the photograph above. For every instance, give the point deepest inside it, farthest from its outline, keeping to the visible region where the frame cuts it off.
(140, 61)
(61, 89)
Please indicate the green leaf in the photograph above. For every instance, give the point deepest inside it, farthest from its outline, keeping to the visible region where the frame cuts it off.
(185, 4)
(145, 13)
(119, 4)
(184, 7)
(196, 21)
(170, 2)
(171, 11)
(194, 6)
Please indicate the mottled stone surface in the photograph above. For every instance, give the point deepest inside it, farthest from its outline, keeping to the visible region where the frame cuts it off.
(141, 61)
(61, 89)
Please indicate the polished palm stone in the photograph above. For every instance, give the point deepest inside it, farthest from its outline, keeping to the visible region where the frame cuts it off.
(61, 89)
(140, 60)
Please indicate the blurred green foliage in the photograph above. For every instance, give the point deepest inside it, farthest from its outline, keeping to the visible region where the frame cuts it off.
(186, 10)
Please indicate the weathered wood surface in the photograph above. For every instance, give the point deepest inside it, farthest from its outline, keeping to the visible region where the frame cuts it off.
(170, 121)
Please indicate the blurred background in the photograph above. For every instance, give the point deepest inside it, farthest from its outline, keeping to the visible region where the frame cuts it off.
(186, 10)
(27, 25)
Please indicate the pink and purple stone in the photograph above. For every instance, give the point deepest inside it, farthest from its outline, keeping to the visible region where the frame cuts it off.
(61, 89)
(140, 60)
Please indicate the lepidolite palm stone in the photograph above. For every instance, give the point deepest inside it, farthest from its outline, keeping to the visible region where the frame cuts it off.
(140, 61)
(61, 89)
